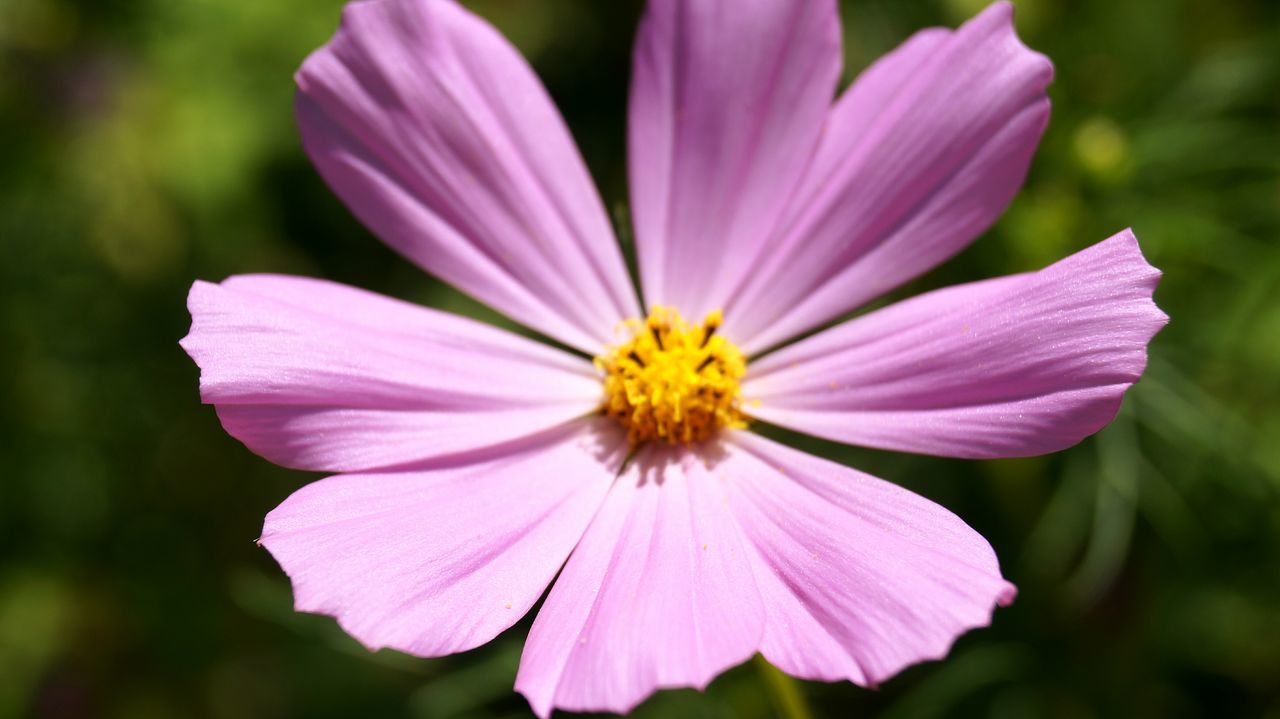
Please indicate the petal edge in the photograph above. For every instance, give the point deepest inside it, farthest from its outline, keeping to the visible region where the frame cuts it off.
(1011, 367)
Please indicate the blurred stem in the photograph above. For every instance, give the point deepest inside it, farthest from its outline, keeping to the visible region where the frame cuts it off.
(1118, 490)
(785, 692)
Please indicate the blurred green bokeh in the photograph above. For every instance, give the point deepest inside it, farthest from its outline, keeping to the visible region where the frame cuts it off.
(146, 143)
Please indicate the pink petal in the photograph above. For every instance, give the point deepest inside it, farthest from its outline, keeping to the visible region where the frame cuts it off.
(1016, 366)
(316, 375)
(442, 558)
(728, 98)
(658, 594)
(860, 578)
(919, 157)
(440, 138)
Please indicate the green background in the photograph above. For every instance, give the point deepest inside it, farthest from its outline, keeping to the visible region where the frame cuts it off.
(147, 143)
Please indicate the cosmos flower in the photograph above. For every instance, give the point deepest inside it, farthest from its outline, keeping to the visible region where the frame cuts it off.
(474, 465)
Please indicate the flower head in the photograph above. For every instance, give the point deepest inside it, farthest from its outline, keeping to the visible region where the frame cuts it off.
(672, 382)
(473, 466)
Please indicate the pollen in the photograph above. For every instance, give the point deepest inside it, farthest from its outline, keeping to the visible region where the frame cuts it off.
(673, 381)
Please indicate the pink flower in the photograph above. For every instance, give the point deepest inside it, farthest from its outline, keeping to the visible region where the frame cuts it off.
(473, 464)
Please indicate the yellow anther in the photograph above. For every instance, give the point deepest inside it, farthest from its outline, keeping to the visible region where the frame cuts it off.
(673, 381)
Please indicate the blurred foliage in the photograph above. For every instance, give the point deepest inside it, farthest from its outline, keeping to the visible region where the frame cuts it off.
(146, 143)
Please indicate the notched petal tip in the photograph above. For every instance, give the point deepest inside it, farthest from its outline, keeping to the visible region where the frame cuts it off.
(1003, 12)
(314, 375)
(1148, 274)
(437, 135)
(439, 560)
(1129, 238)
(199, 289)
(1003, 597)
(351, 15)
(1072, 339)
(919, 578)
(192, 343)
(659, 594)
(920, 156)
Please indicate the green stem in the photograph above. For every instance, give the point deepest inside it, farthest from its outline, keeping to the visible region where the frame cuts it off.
(785, 692)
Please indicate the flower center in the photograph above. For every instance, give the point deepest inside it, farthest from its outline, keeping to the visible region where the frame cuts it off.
(673, 381)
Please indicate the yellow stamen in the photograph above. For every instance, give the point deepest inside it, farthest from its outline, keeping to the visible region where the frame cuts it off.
(673, 381)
